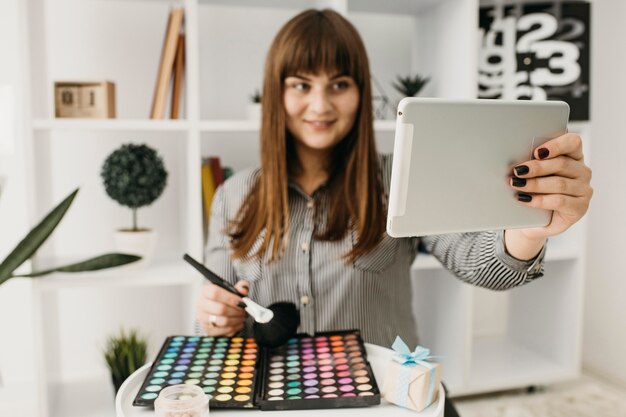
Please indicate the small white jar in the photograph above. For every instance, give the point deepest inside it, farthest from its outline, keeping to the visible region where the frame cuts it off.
(182, 401)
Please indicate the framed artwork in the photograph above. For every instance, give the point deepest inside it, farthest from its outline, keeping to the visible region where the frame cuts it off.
(535, 50)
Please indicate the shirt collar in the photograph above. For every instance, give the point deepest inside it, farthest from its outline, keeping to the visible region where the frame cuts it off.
(296, 187)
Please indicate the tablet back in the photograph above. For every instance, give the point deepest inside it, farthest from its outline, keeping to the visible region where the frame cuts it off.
(453, 159)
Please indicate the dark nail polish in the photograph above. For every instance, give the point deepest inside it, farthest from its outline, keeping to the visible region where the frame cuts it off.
(521, 170)
(519, 182)
(524, 197)
(543, 153)
(245, 287)
(241, 304)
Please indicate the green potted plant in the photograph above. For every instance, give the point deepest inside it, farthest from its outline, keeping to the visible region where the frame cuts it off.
(134, 176)
(124, 354)
(29, 245)
(410, 86)
(254, 107)
(40, 233)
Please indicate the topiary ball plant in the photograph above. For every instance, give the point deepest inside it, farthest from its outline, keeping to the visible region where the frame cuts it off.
(134, 176)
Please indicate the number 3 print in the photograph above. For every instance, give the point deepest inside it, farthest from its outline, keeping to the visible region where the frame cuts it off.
(563, 67)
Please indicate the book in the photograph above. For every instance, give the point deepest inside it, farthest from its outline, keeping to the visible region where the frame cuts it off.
(216, 169)
(228, 172)
(208, 191)
(168, 53)
(179, 71)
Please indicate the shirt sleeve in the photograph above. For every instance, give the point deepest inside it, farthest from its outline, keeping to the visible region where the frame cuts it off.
(481, 259)
(217, 250)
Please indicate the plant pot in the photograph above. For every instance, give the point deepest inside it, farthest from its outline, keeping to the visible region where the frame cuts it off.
(136, 242)
(117, 384)
(254, 111)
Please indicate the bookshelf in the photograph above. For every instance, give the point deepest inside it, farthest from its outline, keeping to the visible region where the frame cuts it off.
(481, 333)
(128, 125)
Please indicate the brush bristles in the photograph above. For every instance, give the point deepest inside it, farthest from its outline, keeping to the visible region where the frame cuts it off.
(281, 328)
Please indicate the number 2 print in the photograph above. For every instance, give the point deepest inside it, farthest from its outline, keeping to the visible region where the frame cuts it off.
(536, 51)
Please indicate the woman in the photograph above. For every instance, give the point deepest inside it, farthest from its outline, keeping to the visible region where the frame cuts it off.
(309, 225)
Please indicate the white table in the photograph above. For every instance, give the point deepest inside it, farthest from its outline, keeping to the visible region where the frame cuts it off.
(377, 356)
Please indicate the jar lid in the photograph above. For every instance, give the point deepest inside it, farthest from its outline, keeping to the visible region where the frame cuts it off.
(181, 397)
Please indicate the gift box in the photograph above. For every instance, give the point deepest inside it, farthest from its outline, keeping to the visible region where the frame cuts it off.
(412, 379)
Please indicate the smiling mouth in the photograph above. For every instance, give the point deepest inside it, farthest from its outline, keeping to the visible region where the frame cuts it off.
(320, 124)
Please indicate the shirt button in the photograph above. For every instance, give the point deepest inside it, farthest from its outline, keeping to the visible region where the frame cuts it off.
(304, 300)
(309, 204)
(305, 247)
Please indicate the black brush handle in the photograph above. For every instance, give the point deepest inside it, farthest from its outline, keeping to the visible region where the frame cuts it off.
(212, 276)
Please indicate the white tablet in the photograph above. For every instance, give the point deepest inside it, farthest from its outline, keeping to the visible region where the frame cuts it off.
(452, 161)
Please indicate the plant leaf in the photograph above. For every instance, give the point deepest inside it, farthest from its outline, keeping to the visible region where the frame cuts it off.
(108, 260)
(125, 353)
(410, 86)
(35, 238)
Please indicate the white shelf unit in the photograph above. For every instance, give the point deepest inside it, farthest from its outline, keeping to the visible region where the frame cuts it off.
(226, 44)
(76, 312)
(43, 125)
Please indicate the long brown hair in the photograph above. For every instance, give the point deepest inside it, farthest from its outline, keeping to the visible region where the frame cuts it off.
(314, 41)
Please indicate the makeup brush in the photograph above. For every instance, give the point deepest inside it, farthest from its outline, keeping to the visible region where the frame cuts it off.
(272, 326)
(260, 314)
(281, 328)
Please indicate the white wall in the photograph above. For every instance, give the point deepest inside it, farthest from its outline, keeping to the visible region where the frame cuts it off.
(15, 306)
(12, 176)
(605, 329)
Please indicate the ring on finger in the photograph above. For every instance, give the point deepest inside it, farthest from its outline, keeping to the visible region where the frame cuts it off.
(213, 320)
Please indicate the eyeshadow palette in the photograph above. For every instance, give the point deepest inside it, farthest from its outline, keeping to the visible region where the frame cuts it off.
(225, 368)
(327, 370)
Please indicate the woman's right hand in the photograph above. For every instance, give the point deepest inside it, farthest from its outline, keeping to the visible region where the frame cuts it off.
(219, 312)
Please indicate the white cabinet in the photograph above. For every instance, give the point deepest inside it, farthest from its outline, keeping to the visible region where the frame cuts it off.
(535, 336)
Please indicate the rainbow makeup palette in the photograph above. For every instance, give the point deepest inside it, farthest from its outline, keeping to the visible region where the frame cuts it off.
(328, 370)
(225, 368)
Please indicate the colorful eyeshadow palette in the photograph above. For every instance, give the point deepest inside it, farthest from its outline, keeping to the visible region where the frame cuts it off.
(225, 368)
(328, 370)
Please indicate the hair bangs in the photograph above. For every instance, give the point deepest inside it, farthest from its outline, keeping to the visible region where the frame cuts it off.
(319, 46)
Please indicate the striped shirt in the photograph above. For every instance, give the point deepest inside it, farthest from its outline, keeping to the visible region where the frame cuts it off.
(373, 293)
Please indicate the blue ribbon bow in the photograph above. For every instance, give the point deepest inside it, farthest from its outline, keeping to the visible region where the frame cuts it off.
(406, 358)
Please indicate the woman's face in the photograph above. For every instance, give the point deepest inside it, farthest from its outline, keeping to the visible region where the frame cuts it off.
(321, 109)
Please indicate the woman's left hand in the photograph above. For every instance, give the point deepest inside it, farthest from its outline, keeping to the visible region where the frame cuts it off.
(557, 180)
